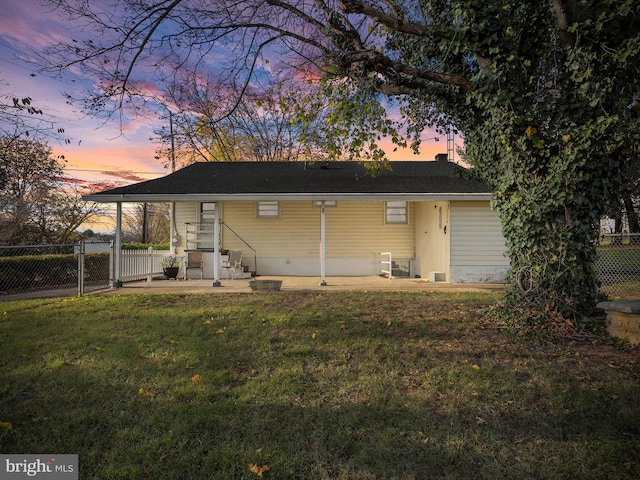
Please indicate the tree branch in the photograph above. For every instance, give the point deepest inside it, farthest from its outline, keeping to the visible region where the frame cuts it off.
(390, 21)
(565, 16)
(404, 74)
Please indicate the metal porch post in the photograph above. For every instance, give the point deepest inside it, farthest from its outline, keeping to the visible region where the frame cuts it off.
(117, 281)
(323, 249)
(216, 246)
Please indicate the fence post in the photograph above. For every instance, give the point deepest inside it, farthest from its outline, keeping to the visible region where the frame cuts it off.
(112, 264)
(150, 271)
(81, 268)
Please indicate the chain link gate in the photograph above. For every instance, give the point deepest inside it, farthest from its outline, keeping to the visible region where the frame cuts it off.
(31, 271)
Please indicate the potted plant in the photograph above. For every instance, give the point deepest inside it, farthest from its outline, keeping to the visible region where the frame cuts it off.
(170, 266)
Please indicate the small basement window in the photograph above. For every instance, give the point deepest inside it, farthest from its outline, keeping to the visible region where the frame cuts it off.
(268, 210)
(396, 212)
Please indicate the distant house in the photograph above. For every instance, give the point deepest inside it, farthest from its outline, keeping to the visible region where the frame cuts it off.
(331, 219)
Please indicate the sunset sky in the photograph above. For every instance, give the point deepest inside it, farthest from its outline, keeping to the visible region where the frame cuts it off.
(98, 151)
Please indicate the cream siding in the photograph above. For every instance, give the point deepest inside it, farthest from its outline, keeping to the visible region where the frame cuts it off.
(353, 230)
(470, 250)
(184, 212)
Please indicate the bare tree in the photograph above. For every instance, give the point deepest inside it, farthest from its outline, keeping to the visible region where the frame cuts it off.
(207, 123)
(146, 223)
(35, 206)
(21, 118)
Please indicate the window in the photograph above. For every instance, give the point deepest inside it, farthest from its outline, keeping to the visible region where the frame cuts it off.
(326, 203)
(268, 210)
(396, 212)
(207, 211)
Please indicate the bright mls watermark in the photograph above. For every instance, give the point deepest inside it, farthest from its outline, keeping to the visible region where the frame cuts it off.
(50, 467)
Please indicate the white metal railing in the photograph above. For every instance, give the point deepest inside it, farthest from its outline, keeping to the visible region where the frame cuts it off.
(141, 264)
(387, 264)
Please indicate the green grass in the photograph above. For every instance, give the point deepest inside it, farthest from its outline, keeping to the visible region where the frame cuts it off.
(316, 386)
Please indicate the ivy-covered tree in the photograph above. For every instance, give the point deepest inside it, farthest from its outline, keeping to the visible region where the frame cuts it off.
(545, 93)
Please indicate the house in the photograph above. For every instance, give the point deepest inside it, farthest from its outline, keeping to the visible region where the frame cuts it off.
(331, 219)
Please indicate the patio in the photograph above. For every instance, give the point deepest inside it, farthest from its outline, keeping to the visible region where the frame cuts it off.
(297, 284)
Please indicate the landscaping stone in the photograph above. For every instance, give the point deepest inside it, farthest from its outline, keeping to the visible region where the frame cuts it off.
(265, 285)
(623, 319)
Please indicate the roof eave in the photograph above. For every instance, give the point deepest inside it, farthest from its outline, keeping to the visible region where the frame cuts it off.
(137, 198)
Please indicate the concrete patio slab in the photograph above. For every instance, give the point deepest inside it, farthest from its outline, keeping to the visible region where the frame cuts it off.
(296, 284)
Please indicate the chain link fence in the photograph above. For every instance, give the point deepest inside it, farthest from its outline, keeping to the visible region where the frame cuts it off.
(618, 265)
(51, 270)
(31, 271)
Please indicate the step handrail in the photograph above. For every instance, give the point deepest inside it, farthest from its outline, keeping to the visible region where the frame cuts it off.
(255, 254)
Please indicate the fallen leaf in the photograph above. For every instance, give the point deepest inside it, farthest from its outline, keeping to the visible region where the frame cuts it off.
(480, 421)
(389, 323)
(100, 349)
(195, 378)
(207, 322)
(613, 396)
(220, 331)
(146, 393)
(6, 425)
(258, 470)
(174, 342)
(314, 335)
(475, 366)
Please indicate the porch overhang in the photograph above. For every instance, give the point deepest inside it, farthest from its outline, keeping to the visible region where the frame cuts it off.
(136, 198)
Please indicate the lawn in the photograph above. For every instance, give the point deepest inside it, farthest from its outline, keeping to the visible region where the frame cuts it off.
(340, 385)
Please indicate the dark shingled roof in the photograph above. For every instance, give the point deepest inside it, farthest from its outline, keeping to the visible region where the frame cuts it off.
(302, 178)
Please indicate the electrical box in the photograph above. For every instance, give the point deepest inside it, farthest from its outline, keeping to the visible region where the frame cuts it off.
(175, 240)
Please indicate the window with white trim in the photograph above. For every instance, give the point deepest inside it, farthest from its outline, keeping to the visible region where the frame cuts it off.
(207, 212)
(396, 212)
(326, 203)
(268, 209)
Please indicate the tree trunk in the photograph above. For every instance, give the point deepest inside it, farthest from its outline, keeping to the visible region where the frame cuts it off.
(632, 216)
(550, 210)
(552, 276)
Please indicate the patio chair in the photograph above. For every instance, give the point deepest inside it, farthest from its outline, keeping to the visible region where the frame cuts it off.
(233, 266)
(192, 261)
